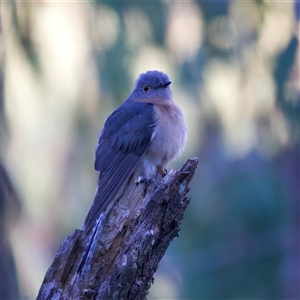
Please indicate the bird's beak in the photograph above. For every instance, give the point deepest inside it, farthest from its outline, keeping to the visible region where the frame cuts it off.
(166, 84)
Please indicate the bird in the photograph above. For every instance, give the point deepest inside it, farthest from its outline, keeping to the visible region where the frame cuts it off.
(140, 138)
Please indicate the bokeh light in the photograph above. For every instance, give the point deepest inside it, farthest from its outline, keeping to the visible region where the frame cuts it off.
(234, 67)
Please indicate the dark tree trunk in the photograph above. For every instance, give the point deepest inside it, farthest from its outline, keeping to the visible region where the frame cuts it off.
(125, 256)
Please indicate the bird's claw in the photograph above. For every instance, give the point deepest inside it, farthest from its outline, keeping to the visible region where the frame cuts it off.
(142, 179)
(139, 180)
(162, 171)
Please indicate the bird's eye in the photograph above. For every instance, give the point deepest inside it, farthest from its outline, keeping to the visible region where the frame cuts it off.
(146, 88)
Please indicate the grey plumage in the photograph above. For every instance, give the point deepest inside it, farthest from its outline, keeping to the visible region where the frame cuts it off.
(146, 132)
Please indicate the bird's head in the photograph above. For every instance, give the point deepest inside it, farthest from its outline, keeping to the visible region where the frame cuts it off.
(152, 86)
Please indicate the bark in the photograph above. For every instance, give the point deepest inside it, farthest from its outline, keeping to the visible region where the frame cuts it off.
(124, 257)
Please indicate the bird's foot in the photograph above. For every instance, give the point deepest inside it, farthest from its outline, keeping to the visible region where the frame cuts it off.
(162, 171)
(139, 179)
(144, 180)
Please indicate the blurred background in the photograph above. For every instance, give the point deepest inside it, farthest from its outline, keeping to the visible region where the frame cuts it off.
(234, 67)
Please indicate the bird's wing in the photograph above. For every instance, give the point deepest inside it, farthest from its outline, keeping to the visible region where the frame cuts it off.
(124, 138)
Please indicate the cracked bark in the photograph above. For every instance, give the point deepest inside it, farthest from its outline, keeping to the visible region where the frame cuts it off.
(136, 235)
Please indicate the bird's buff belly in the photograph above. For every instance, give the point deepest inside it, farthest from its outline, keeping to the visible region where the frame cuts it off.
(163, 150)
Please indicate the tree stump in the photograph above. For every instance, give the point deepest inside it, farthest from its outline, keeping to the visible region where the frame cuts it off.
(125, 256)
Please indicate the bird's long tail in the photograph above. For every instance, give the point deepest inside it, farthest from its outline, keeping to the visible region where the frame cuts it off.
(92, 242)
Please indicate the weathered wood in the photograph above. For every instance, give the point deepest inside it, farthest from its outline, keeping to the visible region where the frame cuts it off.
(137, 232)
